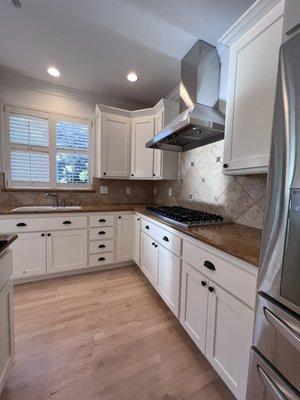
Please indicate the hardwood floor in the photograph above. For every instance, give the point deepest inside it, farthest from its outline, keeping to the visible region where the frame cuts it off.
(104, 336)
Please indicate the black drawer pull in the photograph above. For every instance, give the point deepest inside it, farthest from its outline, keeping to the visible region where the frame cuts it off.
(101, 259)
(203, 283)
(211, 289)
(209, 265)
(67, 222)
(147, 227)
(101, 233)
(101, 246)
(102, 220)
(166, 239)
(21, 224)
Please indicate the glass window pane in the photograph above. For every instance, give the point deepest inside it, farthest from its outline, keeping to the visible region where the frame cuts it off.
(72, 168)
(70, 135)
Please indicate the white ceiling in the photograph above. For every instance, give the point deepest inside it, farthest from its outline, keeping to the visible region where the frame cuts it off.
(95, 43)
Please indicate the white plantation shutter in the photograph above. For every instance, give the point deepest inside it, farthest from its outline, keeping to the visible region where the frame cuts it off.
(46, 149)
(29, 148)
(72, 152)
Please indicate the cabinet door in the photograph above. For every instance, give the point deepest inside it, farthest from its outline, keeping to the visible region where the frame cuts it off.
(168, 278)
(29, 255)
(158, 125)
(66, 250)
(149, 258)
(137, 240)
(193, 308)
(115, 151)
(252, 82)
(141, 157)
(6, 331)
(229, 338)
(124, 237)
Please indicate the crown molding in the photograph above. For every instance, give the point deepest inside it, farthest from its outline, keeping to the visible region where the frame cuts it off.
(175, 94)
(247, 20)
(14, 79)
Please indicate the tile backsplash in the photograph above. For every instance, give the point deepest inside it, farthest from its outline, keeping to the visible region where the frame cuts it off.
(141, 192)
(202, 185)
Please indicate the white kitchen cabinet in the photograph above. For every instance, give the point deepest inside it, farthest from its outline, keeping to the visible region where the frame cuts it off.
(291, 18)
(29, 255)
(66, 250)
(115, 145)
(158, 125)
(254, 53)
(142, 159)
(149, 258)
(6, 331)
(194, 300)
(124, 237)
(136, 239)
(229, 338)
(168, 278)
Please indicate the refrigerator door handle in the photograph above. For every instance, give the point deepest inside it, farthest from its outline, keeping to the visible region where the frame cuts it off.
(272, 388)
(282, 327)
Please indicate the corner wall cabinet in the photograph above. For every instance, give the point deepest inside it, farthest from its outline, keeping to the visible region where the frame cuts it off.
(254, 43)
(121, 136)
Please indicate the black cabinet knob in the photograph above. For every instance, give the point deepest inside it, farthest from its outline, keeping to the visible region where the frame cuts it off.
(166, 239)
(155, 245)
(138, 219)
(42, 234)
(101, 246)
(101, 259)
(102, 220)
(21, 224)
(119, 217)
(209, 265)
(225, 165)
(67, 222)
(48, 234)
(211, 289)
(147, 227)
(153, 174)
(104, 173)
(132, 174)
(203, 283)
(101, 233)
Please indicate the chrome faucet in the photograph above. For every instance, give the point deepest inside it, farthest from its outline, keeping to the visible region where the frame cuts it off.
(53, 195)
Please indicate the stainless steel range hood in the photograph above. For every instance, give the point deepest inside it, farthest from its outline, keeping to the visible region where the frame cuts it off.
(200, 122)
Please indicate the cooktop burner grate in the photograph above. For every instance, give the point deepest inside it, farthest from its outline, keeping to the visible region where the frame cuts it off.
(185, 216)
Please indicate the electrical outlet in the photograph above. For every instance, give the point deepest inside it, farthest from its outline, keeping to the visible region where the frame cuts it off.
(128, 189)
(170, 192)
(103, 189)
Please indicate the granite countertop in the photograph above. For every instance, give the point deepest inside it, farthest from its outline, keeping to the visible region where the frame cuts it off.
(5, 241)
(240, 241)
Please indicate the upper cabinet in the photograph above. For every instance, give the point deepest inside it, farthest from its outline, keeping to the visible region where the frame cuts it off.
(254, 43)
(291, 18)
(142, 130)
(121, 136)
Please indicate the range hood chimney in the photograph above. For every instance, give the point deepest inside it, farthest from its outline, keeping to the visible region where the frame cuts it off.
(199, 122)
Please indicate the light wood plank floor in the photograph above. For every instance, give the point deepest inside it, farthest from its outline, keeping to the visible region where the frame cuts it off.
(104, 336)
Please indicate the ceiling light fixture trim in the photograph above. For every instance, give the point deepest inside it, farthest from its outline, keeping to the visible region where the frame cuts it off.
(53, 71)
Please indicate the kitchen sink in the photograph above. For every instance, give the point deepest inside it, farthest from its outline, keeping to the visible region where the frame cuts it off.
(45, 208)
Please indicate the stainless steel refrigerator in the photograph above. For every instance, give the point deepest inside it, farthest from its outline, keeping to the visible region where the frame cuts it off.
(274, 372)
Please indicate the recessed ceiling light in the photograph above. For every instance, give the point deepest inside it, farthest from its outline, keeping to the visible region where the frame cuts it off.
(15, 3)
(53, 72)
(132, 77)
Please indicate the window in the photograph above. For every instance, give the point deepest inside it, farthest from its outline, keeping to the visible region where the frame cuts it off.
(47, 150)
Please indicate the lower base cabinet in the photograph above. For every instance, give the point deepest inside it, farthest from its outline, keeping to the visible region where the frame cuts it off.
(194, 299)
(66, 250)
(149, 258)
(6, 331)
(220, 325)
(228, 338)
(124, 237)
(136, 239)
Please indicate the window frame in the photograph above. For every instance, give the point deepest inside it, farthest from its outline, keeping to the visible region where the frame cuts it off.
(53, 117)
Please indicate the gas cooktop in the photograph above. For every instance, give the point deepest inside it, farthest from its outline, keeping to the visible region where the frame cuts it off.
(185, 216)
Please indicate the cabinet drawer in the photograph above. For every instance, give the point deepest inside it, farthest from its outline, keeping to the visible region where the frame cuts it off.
(101, 259)
(231, 277)
(101, 233)
(41, 224)
(101, 246)
(162, 236)
(6, 267)
(102, 220)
